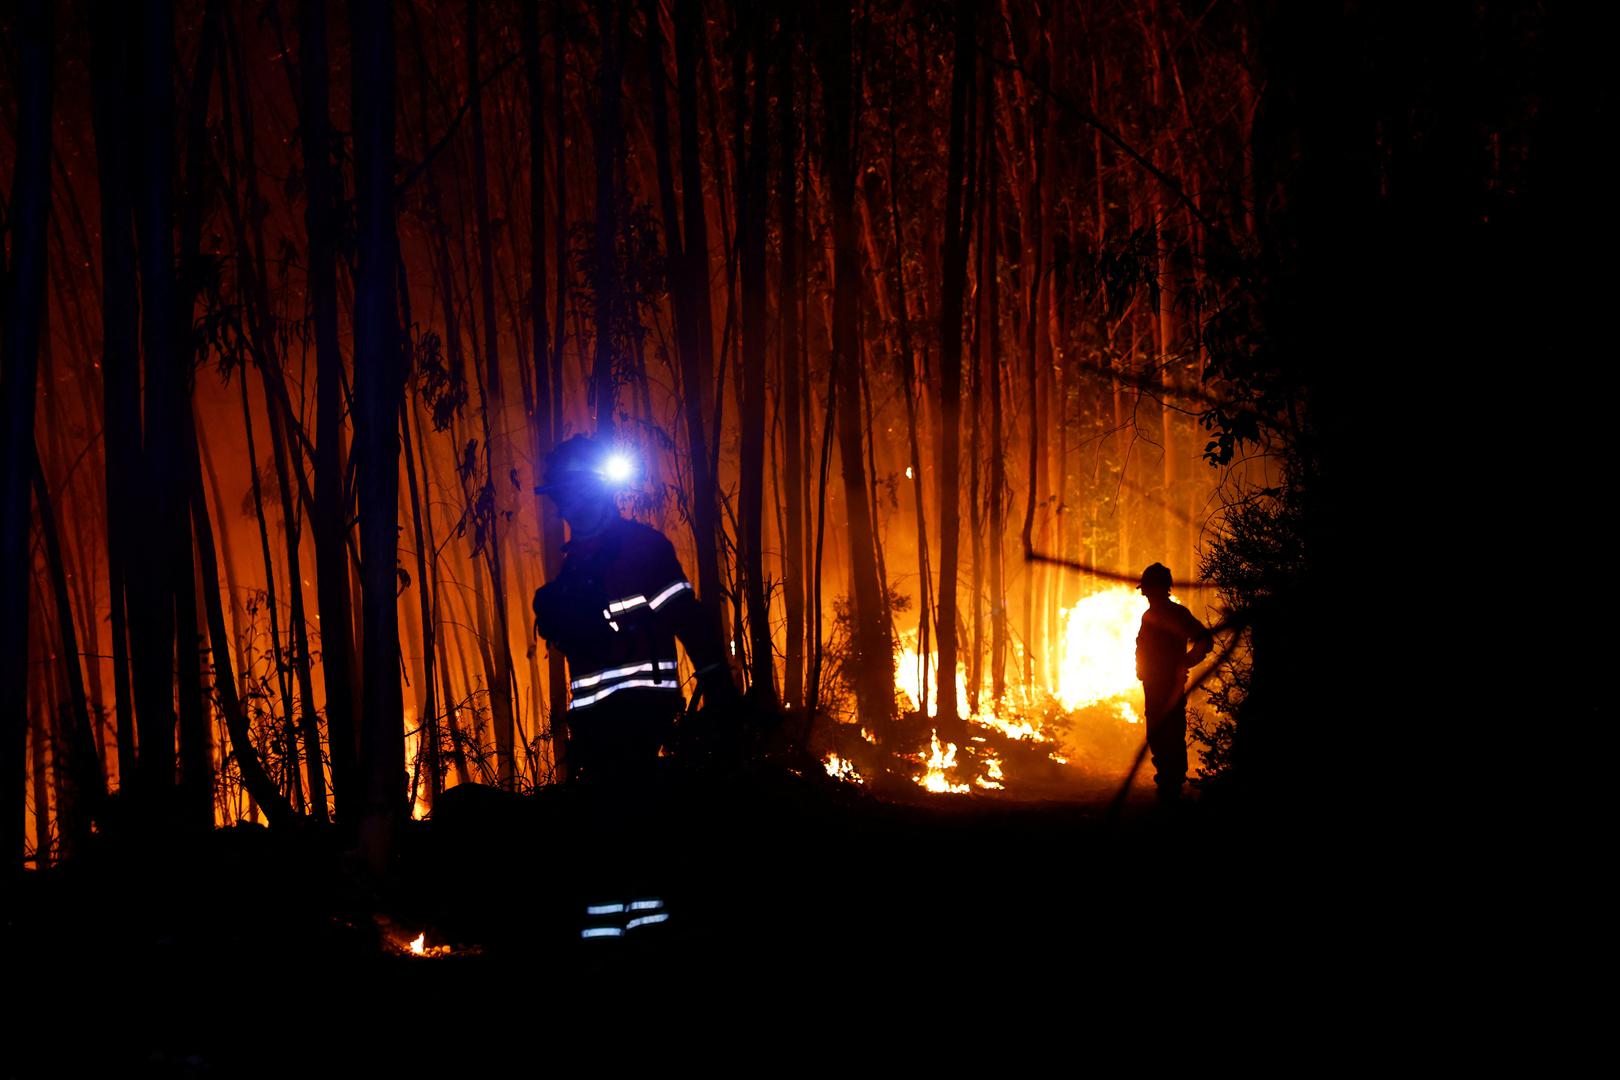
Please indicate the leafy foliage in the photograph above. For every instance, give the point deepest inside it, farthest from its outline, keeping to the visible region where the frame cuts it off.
(441, 384)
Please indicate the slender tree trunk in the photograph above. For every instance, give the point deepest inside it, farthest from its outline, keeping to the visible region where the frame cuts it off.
(954, 258)
(981, 342)
(501, 703)
(906, 356)
(1165, 337)
(120, 342)
(246, 208)
(36, 726)
(609, 301)
(789, 283)
(824, 460)
(869, 445)
(196, 804)
(695, 330)
(559, 136)
(260, 787)
(378, 385)
(154, 645)
(542, 417)
(81, 769)
(499, 652)
(751, 502)
(428, 739)
(486, 246)
(80, 570)
(873, 644)
(272, 607)
(998, 452)
(431, 587)
(234, 643)
(1035, 227)
(812, 464)
(24, 313)
(299, 644)
(331, 517)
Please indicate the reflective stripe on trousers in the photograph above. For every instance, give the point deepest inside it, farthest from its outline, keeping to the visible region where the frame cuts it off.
(655, 675)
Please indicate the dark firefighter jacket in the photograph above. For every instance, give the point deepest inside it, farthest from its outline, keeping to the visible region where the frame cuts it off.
(1162, 659)
(615, 609)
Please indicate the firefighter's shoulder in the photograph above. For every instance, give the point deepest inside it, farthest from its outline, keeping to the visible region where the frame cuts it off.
(657, 569)
(644, 541)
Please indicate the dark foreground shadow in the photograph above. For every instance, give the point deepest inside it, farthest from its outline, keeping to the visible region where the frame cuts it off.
(791, 899)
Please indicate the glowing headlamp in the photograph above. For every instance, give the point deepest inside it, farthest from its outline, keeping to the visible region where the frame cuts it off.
(585, 467)
(619, 468)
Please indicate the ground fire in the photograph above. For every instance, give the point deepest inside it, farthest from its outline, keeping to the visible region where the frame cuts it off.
(1096, 690)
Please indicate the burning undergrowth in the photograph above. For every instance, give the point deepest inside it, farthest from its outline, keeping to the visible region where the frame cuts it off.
(1084, 727)
(1035, 754)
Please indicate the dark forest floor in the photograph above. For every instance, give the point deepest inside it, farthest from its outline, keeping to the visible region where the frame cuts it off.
(804, 905)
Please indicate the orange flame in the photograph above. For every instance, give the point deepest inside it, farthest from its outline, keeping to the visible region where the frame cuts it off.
(841, 769)
(1096, 667)
(1099, 647)
(938, 762)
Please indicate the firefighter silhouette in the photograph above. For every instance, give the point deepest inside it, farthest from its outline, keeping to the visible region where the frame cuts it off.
(1162, 662)
(615, 608)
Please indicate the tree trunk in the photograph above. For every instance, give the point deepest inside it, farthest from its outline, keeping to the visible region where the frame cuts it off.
(610, 307)
(874, 650)
(331, 517)
(377, 391)
(299, 626)
(559, 137)
(981, 342)
(153, 646)
(789, 285)
(196, 805)
(82, 768)
(427, 720)
(547, 362)
(501, 704)
(246, 210)
(24, 313)
(906, 357)
(694, 329)
(36, 725)
(751, 212)
(486, 246)
(954, 259)
(1034, 227)
(998, 452)
(120, 345)
(272, 607)
(260, 787)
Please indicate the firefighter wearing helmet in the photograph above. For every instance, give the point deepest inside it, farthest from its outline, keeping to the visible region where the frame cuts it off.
(615, 609)
(1162, 662)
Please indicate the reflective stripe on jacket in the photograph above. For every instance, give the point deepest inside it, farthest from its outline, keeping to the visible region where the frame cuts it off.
(614, 610)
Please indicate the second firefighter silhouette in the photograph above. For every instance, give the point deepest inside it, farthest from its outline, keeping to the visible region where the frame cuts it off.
(615, 609)
(1162, 662)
